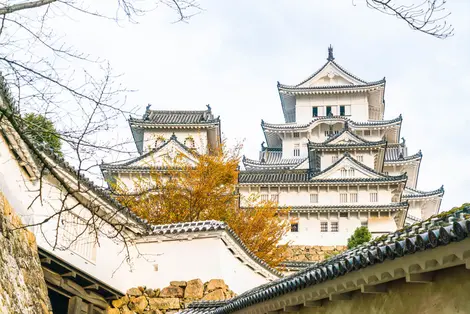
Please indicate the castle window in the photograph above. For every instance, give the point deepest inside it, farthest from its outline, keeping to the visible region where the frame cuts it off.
(329, 110)
(296, 150)
(314, 111)
(367, 132)
(342, 110)
(324, 226)
(343, 198)
(344, 173)
(351, 172)
(360, 158)
(313, 198)
(296, 134)
(264, 197)
(373, 197)
(294, 227)
(353, 197)
(275, 198)
(334, 226)
(334, 158)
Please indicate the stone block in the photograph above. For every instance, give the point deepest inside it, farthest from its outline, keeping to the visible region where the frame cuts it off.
(215, 295)
(139, 304)
(214, 284)
(164, 303)
(135, 292)
(120, 302)
(172, 292)
(194, 289)
(178, 283)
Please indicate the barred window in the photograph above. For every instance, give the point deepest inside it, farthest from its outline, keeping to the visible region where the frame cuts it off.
(334, 226)
(360, 158)
(334, 158)
(296, 134)
(351, 172)
(367, 132)
(373, 197)
(314, 198)
(275, 198)
(296, 150)
(264, 197)
(353, 198)
(344, 173)
(324, 226)
(343, 198)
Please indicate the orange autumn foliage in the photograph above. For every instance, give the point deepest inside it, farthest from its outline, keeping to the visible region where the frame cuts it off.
(206, 190)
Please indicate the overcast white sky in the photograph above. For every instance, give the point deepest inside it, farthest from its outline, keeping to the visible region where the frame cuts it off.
(233, 53)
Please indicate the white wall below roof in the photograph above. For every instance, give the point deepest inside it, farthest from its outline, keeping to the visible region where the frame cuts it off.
(183, 259)
(358, 102)
(199, 136)
(310, 233)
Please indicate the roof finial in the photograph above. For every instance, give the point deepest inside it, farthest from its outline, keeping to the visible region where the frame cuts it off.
(330, 53)
(209, 107)
(173, 137)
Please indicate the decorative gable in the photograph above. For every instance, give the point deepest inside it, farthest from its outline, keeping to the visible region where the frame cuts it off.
(345, 138)
(348, 168)
(330, 75)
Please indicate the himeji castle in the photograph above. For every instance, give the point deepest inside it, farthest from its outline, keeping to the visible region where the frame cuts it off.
(336, 162)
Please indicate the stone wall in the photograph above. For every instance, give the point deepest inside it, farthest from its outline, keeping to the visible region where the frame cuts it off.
(302, 253)
(170, 299)
(22, 286)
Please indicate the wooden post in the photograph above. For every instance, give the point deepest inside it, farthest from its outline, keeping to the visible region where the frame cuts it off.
(75, 305)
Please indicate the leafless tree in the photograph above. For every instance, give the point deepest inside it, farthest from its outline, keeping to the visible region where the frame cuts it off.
(427, 16)
(42, 73)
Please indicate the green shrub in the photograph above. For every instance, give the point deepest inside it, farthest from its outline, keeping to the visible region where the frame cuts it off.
(360, 235)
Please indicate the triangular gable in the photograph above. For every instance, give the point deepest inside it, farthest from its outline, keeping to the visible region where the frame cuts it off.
(346, 137)
(348, 168)
(163, 155)
(303, 165)
(331, 75)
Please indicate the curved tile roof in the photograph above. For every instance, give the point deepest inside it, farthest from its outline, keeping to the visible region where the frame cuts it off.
(265, 125)
(176, 117)
(412, 193)
(273, 160)
(437, 231)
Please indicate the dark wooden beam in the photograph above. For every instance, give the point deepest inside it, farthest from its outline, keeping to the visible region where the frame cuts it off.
(70, 274)
(92, 287)
(75, 305)
(46, 260)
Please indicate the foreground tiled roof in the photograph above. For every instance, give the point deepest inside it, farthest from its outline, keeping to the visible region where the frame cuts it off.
(202, 307)
(272, 160)
(437, 231)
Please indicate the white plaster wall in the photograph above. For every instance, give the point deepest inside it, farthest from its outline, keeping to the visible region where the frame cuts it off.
(204, 258)
(199, 136)
(358, 102)
(309, 228)
(301, 196)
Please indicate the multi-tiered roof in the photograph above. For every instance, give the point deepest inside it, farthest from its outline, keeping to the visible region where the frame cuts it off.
(346, 135)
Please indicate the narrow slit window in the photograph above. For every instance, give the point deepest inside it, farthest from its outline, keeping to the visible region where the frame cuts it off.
(342, 110)
(343, 198)
(373, 197)
(329, 111)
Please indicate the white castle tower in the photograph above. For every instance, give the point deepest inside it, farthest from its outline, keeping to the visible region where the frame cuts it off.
(336, 163)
